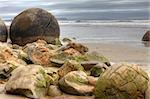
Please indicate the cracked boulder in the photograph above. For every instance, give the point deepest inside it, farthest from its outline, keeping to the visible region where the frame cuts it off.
(122, 81)
(33, 24)
(30, 81)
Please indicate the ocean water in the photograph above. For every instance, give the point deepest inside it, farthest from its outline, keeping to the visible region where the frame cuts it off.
(128, 33)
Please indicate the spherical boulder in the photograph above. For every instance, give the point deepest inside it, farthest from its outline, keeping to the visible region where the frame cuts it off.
(3, 31)
(33, 24)
(146, 36)
(122, 81)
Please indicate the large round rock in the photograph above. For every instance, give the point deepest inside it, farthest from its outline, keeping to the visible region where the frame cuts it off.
(122, 81)
(146, 36)
(3, 31)
(33, 24)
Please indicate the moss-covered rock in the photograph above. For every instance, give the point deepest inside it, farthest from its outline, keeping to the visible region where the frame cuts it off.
(52, 72)
(94, 56)
(87, 60)
(59, 59)
(91, 59)
(69, 66)
(97, 69)
(31, 81)
(122, 81)
(76, 82)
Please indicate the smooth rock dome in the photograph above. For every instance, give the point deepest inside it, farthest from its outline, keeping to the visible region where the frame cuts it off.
(33, 24)
(146, 36)
(3, 31)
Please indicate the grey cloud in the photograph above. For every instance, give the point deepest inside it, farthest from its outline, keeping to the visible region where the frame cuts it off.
(81, 9)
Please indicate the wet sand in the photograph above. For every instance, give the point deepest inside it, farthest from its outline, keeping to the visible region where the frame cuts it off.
(123, 53)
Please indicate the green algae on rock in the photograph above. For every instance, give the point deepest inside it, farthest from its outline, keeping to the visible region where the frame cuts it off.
(76, 83)
(97, 70)
(97, 57)
(69, 66)
(31, 81)
(52, 73)
(91, 59)
(122, 81)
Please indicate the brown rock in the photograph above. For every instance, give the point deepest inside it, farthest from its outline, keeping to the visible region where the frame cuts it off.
(3, 31)
(69, 66)
(78, 47)
(33, 24)
(146, 36)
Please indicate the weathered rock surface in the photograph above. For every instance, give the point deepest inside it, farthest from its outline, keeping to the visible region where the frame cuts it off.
(8, 61)
(78, 47)
(98, 69)
(147, 94)
(3, 31)
(31, 81)
(146, 36)
(52, 73)
(76, 82)
(33, 24)
(54, 91)
(122, 81)
(69, 66)
(39, 52)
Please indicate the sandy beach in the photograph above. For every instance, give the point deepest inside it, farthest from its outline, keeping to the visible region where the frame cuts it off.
(123, 53)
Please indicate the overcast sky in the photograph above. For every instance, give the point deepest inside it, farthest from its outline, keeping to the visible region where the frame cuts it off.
(81, 9)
